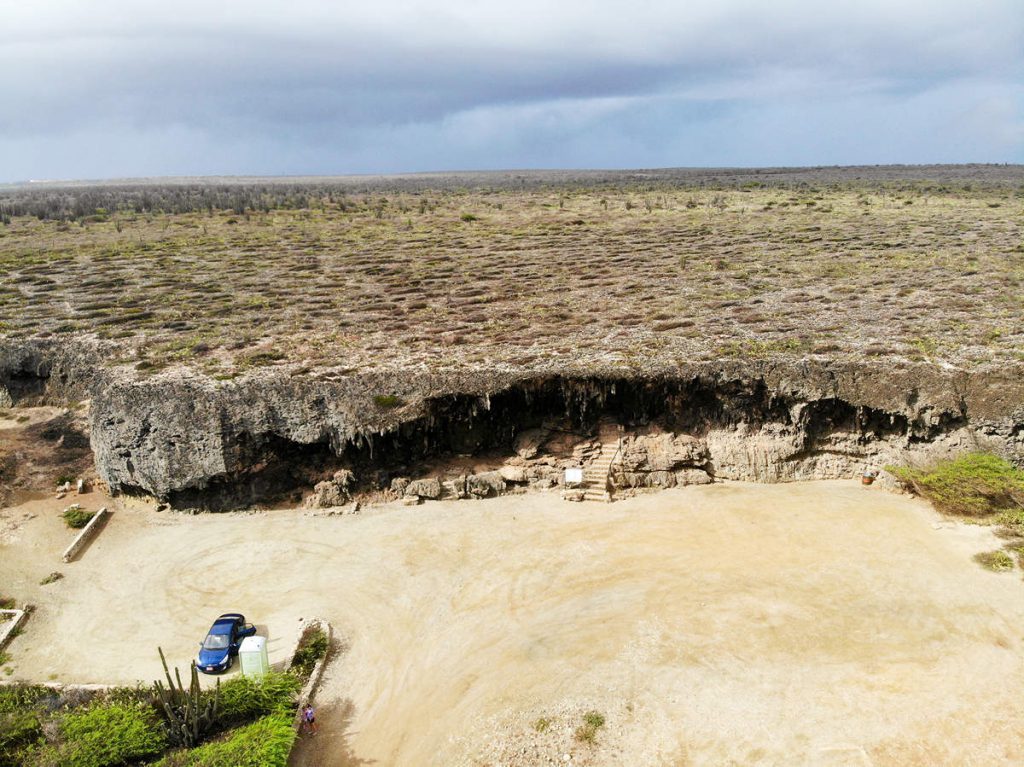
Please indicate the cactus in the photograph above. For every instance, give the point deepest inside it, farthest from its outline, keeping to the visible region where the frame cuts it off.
(190, 714)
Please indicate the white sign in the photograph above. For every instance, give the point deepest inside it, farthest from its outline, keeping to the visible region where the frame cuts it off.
(573, 476)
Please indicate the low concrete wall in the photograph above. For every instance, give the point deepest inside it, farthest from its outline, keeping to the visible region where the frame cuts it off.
(88, 532)
(306, 695)
(62, 687)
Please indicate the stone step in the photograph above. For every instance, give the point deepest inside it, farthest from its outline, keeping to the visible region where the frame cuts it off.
(595, 475)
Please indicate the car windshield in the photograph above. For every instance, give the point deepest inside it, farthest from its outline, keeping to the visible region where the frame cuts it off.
(216, 642)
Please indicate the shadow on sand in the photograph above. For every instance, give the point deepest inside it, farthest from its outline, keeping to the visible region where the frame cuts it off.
(330, 744)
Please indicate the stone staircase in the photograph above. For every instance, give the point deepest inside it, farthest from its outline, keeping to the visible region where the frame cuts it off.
(595, 476)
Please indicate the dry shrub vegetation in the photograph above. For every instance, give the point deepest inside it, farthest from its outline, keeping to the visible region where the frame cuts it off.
(982, 488)
(606, 272)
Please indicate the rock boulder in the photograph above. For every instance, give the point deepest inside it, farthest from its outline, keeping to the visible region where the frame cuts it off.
(425, 488)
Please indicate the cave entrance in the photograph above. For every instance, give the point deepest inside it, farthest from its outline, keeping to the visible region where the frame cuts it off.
(274, 470)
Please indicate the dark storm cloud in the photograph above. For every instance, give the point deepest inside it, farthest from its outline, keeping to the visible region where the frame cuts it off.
(119, 88)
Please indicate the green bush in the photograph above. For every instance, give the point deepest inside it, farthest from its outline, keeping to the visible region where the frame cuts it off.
(976, 484)
(17, 730)
(18, 697)
(266, 742)
(243, 699)
(387, 401)
(312, 647)
(110, 734)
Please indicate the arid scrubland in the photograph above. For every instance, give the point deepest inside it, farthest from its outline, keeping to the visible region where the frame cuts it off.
(612, 273)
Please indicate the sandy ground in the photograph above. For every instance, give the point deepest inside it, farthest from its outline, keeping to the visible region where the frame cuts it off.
(819, 624)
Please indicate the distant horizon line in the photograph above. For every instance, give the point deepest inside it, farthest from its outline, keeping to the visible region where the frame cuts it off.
(256, 177)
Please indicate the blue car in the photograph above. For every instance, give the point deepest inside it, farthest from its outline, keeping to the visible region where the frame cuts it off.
(217, 652)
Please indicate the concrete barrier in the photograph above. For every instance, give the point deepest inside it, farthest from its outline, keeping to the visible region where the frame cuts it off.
(88, 532)
(9, 627)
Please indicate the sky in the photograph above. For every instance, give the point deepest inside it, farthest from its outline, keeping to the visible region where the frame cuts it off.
(125, 88)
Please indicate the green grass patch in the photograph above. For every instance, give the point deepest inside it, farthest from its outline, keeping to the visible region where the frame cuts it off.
(592, 722)
(76, 519)
(1013, 520)
(261, 359)
(996, 561)
(974, 485)
(388, 401)
(1016, 549)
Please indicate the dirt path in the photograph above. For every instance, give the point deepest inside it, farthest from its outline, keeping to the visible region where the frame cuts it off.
(819, 624)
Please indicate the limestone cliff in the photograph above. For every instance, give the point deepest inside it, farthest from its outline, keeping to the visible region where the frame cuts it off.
(179, 435)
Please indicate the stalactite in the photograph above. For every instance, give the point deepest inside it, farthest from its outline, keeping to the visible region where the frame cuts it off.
(472, 424)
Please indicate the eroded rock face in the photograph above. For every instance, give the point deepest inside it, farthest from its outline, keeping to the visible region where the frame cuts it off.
(179, 434)
(37, 372)
(661, 460)
(528, 443)
(165, 436)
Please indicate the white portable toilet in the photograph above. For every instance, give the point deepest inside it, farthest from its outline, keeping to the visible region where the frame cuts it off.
(252, 655)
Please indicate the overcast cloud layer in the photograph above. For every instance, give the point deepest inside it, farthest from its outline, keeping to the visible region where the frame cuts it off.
(113, 88)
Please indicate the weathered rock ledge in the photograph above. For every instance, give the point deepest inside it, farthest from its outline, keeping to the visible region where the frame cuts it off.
(193, 440)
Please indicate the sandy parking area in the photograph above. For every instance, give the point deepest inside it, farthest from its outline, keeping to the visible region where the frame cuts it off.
(819, 623)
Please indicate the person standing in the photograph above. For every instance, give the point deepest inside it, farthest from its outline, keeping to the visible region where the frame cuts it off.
(309, 719)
